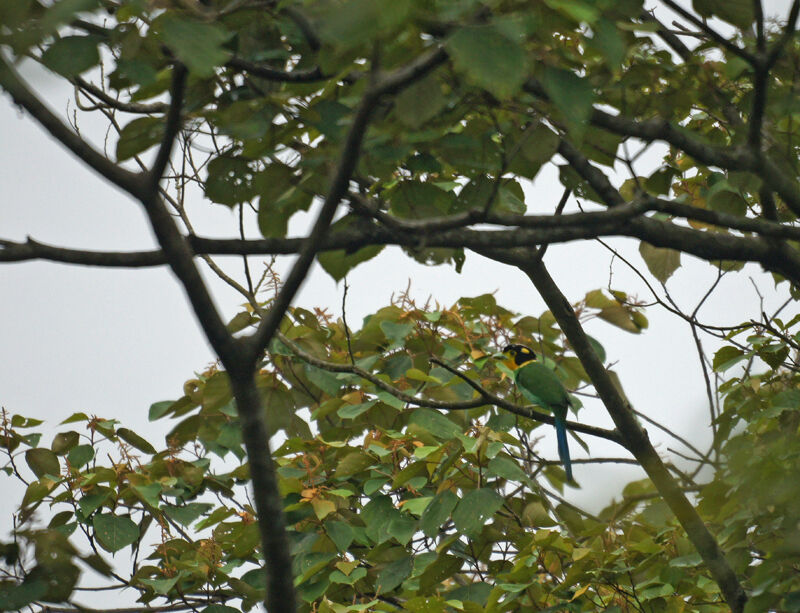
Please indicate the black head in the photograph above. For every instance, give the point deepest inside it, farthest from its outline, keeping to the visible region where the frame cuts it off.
(519, 354)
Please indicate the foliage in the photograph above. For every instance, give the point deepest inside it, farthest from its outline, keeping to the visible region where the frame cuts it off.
(406, 477)
(395, 504)
(388, 503)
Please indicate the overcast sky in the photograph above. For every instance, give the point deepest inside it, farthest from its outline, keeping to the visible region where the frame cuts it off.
(111, 342)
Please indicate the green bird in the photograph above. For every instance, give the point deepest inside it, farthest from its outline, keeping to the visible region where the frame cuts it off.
(540, 385)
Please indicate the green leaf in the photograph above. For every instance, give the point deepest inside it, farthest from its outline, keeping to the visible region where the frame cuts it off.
(72, 55)
(489, 59)
(417, 506)
(64, 441)
(65, 10)
(80, 455)
(726, 357)
(279, 199)
(353, 463)
(608, 39)
(91, 502)
(725, 198)
(133, 439)
(737, 12)
(621, 317)
(787, 399)
(538, 143)
(417, 200)
(17, 597)
(505, 467)
(150, 493)
(435, 423)
(229, 181)
(326, 381)
(420, 102)
(161, 586)
(114, 532)
(339, 262)
(341, 533)
(572, 95)
(598, 348)
(138, 136)
(159, 409)
(474, 509)
(198, 45)
(351, 411)
(437, 512)
(575, 9)
(187, 514)
(217, 392)
(394, 574)
(43, 462)
(661, 262)
(75, 417)
(347, 24)
(396, 332)
(443, 567)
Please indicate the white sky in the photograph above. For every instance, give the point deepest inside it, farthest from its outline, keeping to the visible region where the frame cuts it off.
(112, 341)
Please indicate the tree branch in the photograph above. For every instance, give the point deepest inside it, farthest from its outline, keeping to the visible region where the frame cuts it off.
(669, 235)
(788, 31)
(675, 43)
(273, 74)
(636, 438)
(11, 82)
(546, 229)
(486, 397)
(711, 32)
(269, 324)
(281, 595)
(728, 159)
(384, 84)
(171, 129)
(125, 107)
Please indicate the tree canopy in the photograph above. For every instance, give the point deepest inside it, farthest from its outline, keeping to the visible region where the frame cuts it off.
(406, 474)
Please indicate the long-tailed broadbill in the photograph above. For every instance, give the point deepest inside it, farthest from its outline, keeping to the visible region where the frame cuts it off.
(540, 385)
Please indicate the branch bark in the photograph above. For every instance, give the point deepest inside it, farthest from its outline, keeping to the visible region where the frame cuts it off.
(11, 82)
(636, 438)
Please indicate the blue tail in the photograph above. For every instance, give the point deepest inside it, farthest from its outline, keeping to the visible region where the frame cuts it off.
(563, 448)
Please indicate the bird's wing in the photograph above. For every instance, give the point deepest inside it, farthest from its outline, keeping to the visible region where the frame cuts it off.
(541, 386)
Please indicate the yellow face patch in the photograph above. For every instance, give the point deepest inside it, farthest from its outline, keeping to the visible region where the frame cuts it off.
(518, 355)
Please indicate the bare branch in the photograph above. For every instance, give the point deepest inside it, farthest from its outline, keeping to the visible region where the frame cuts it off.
(788, 32)
(125, 107)
(172, 127)
(11, 82)
(668, 36)
(273, 74)
(718, 38)
(619, 220)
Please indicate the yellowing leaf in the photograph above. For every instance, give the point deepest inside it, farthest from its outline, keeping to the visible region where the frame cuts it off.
(579, 592)
(323, 507)
(660, 262)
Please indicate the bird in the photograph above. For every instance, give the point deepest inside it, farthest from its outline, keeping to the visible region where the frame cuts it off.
(540, 385)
